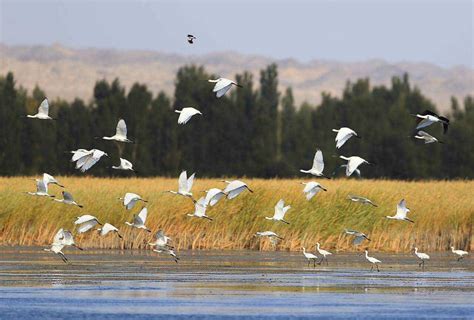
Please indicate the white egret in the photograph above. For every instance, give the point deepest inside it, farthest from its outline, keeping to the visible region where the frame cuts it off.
(120, 133)
(65, 238)
(358, 236)
(161, 240)
(130, 199)
(200, 207)
(427, 118)
(460, 253)
(426, 137)
(43, 111)
(310, 257)
(280, 211)
(311, 189)
(318, 165)
(422, 256)
(185, 185)
(168, 251)
(213, 196)
(85, 159)
(41, 189)
(49, 179)
(139, 220)
(234, 188)
(344, 167)
(353, 163)
(68, 199)
(361, 200)
(324, 254)
(222, 86)
(402, 212)
(269, 234)
(86, 222)
(124, 165)
(106, 228)
(372, 260)
(186, 114)
(344, 134)
(191, 38)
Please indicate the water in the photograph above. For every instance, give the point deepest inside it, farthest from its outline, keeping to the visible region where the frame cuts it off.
(229, 285)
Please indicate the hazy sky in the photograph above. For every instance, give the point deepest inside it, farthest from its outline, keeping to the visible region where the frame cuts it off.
(440, 32)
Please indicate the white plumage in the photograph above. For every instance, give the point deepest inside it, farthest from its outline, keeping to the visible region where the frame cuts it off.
(459, 253)
(130, 199)
(200, 207)
(269, 234)
(361, 200)
(86, 222)
(85, 159)
(106, 228)
(311, 189)
(43, 111)
(422, 256)
(124, 165)
(185, 185)
(234, 188)
(222, 86)
(343, 134)
(139, 220)
(318, 165)
(68, 199)
(310, 257)
(41, 189)
(353, 163)
(402, 212)
(186, 114)
(280, 211)
(213, 196)
(120, 133)
(372, 260)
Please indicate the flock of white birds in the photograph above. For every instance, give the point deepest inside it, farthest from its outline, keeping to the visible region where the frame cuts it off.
(86, 159)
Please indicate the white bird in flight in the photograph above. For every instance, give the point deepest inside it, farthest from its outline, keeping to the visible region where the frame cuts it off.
(361, 200)
(234, 188)
(459, 253)
(120, 133)
(43, 111)
(68, 199)
(56, 248)
(358, 236)
(85, 159)
(86, 222)
(168, 251)
(344, 134)
(106, 228)
(324, 254)
(311, 189)
(185, 185)
(427, 118)
(372, 260)
(422, 256)
(139, 220)
(280, 211)
(124, 165)
(402, 212)
(222, 86)
(49, 179)
(41, 189)
(200, 209)
(186, 114)
(318, 165)
(213, 196)
(310, 257)
(353, 163)
(65, 238)
(161, 240)
(269, 234)
(426, 137)
(130, 199)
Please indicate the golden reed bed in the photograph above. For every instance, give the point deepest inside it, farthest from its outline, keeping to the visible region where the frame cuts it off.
(443, 212)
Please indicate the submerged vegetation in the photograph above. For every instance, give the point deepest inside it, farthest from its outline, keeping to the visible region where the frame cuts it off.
(443, 213)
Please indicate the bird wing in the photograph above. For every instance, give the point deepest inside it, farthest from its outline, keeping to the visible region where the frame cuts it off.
(200, 207)
(422, 133)
(358, 240)
(121, 129)
(58, 237)
(279, 212)
(129, 197)
(213, 195)
(183, 181)
(190, 182)
(84, 218)
(184, 116)
(44, 107)
(159, 235)
(352, 165)
(80, 153)
(312, 193)
(424, 123)
(222, 92)
(86, 226)
(41, 186)
(318, 162)
(49, 178)
(67, 196)
(143, 214)
(68, 238)
(87, 162)
(402, 209)
(222, 83)
(342, 136)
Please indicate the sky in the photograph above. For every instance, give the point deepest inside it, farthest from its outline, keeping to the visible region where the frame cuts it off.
(439, 32)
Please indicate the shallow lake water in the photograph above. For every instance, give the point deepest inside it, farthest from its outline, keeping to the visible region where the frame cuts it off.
(112, 284)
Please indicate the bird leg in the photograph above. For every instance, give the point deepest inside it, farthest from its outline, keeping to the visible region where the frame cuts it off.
(372, 268)
(377, 267)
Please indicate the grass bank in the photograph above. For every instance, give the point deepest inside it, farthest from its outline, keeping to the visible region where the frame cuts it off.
(443, 214)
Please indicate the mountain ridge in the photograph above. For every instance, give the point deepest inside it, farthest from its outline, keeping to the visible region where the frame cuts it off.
(68, 73)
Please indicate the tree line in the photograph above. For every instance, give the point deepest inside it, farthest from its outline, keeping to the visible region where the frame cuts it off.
(253, 131)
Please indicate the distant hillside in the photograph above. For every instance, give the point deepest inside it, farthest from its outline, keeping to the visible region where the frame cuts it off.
(69, 73)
